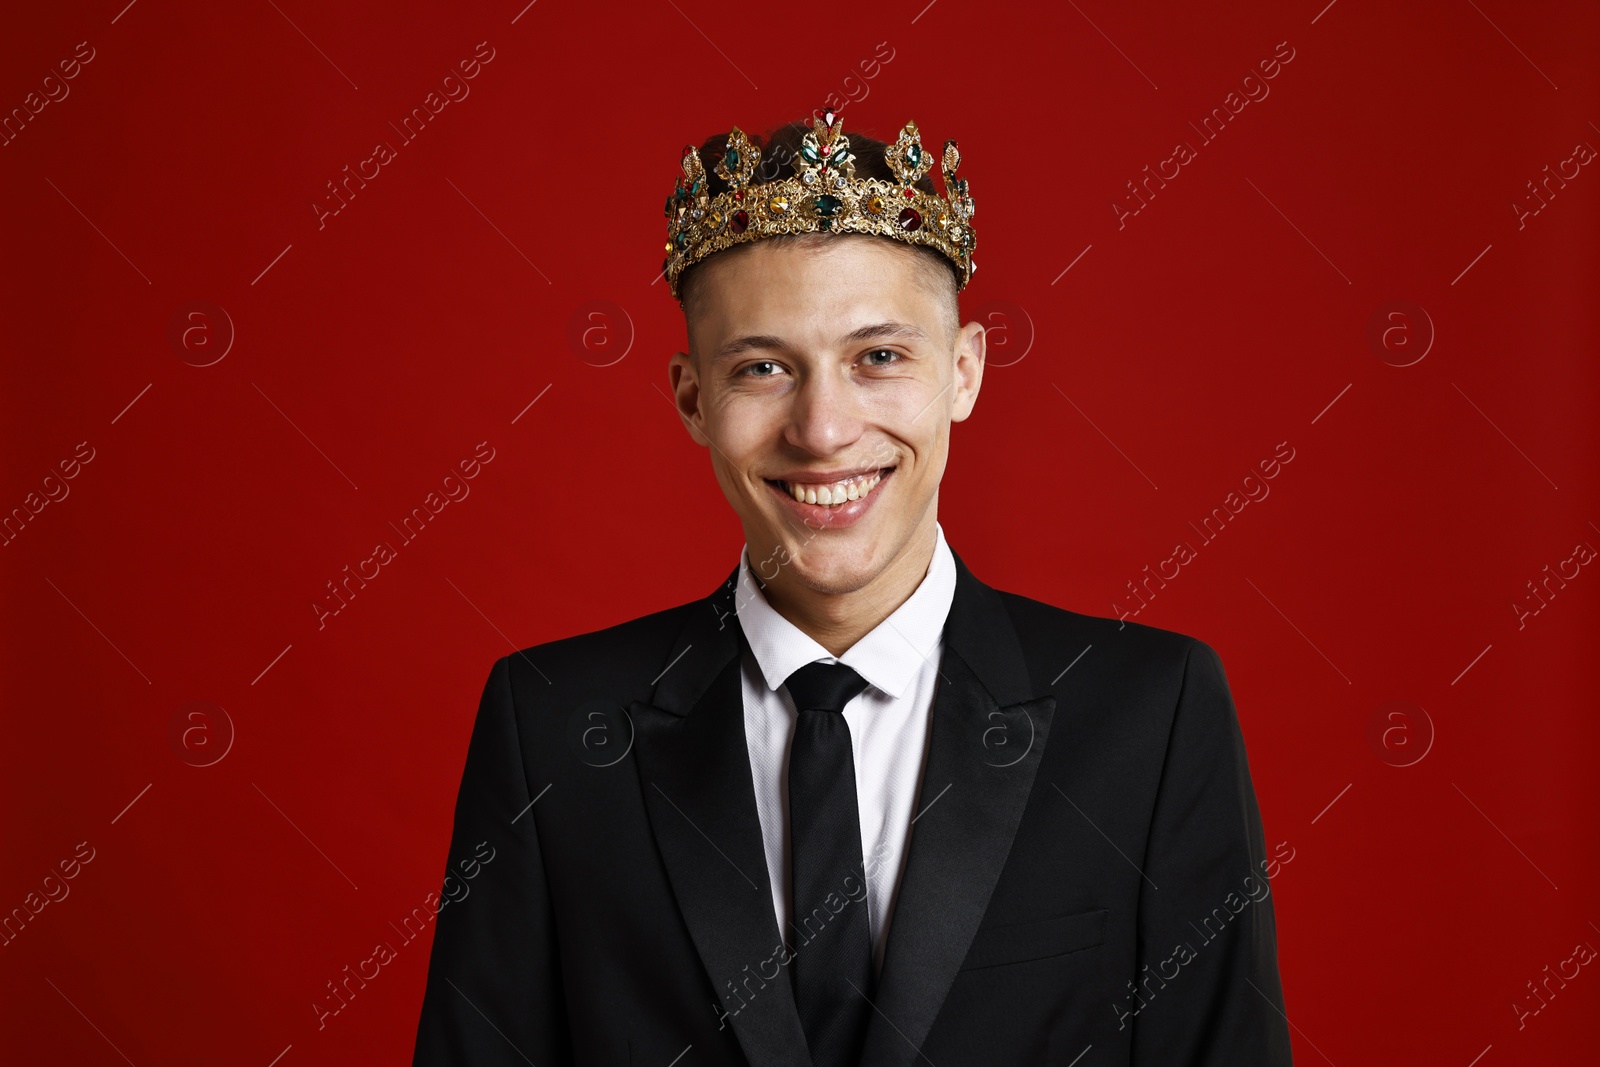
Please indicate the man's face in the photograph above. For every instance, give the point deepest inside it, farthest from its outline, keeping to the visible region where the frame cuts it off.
(816, 362)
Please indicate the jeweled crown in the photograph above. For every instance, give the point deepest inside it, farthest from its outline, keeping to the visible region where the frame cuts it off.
(822, 196)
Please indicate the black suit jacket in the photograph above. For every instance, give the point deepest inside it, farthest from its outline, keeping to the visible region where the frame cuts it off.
(1086, 880)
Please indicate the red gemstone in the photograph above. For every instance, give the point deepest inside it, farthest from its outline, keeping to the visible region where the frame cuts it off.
(910, 193)
(738, 194)
(910, 219)
(826, 149)
(739, 221)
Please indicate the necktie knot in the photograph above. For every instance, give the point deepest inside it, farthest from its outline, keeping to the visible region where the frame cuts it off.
(824, 686)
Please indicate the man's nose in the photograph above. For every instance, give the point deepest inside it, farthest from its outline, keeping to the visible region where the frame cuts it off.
(826, 415)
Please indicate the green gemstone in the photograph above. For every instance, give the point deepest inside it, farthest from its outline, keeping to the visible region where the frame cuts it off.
(682, 240)
(731, 158)
(809, 154)
(914, 155)
(828, 206)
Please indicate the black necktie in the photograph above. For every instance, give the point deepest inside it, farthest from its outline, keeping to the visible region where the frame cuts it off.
(833, 945)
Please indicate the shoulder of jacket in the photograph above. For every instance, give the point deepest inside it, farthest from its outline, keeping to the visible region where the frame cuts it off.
(607, 650)
(1042, 626)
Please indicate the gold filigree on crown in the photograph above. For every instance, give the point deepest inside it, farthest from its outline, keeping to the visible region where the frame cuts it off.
(822, 196)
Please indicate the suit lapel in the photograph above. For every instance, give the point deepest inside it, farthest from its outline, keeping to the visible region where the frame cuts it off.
(694, 769)
(988, 733)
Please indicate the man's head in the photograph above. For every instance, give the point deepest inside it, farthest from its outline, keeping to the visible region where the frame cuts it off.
(820, 354)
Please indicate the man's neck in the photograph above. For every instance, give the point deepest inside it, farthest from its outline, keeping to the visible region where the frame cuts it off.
(837, 621)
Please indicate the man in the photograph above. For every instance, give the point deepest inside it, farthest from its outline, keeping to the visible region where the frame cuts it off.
(854, 806)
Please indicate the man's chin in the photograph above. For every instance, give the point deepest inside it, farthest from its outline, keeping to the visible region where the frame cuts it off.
(830, 566)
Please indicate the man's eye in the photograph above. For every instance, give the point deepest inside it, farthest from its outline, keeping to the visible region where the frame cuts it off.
(882, 352)
(750, 370)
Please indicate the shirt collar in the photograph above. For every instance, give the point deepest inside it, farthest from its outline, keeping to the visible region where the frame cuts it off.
(888, 656)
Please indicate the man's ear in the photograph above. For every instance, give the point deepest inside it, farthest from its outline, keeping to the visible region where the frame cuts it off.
(970, 350)
(684, 382)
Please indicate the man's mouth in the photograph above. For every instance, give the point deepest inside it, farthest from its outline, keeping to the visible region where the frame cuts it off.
(832, 494)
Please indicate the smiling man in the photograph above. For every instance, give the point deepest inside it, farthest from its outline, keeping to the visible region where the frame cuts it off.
(855, 806)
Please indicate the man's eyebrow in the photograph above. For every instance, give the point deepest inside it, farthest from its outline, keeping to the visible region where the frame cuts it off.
(872, 332)
(749, 343)
(879, 330)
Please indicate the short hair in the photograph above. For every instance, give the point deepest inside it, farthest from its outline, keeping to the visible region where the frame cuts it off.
(779, 150)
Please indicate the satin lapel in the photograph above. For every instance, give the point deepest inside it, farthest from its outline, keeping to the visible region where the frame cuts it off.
(694, 769)
(988, 733)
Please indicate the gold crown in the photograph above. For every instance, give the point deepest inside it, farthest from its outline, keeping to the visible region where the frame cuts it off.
(822, 196)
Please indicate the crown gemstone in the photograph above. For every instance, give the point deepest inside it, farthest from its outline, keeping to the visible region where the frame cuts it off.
(778, 205)
(731, 158)
(875, 205)
(809, 154)
(739, 222)
(914, 155)
(910, 219)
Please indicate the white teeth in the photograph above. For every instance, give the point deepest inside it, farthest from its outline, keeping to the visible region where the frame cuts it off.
(838, 492)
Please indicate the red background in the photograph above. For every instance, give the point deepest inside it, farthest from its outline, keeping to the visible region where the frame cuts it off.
(1127, 396)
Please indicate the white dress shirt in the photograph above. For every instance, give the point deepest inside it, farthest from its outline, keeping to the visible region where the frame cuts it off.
(888, 724)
